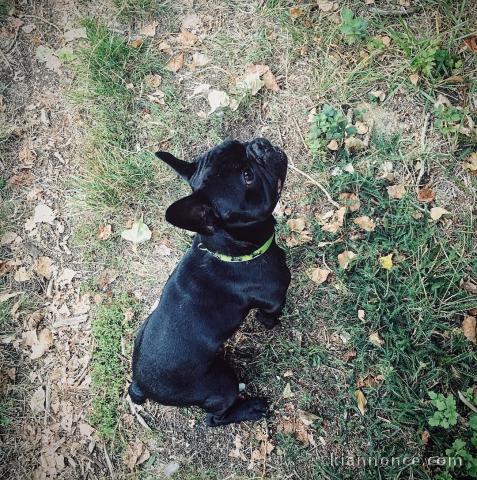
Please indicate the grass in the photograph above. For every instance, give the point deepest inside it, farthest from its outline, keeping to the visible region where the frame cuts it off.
(111, 322)
(416, 308)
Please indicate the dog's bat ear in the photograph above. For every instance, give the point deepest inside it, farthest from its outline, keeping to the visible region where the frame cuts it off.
(193, 213)
(184, 169)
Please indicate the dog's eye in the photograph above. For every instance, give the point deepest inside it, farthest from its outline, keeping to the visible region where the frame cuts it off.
(248, 176)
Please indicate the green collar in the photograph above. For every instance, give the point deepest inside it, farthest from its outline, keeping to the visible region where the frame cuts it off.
(241, 258)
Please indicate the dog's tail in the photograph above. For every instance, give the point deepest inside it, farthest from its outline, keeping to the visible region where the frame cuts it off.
(136, 394)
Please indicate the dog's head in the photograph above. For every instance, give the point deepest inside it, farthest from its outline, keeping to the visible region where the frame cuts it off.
(234, 185)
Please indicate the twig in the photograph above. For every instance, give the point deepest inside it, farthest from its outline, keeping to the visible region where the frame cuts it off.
(299, 133)
(314, 182)
(108, 463)
(43, 20)
(394, 11)
(141, 420)
(9, 65)
(466, 402)
(423, 140)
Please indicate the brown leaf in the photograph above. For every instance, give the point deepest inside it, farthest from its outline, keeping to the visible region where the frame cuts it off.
(42, 267)
(365, 223)
(333, 145)
(175, 63)
(326, 6)
(471, 43)
(43, 343)
(37, 401)
(21, 179)
(469, 328)
(469, 286)
(350, 200)
(106, 278)
(414, 78)
(136, 43)
(347, 356)
(104, 232)
(471, 163)
(425, 437)
(396, 191)
(270, 81)
(376, 340)
(319, 275)
(369, 381)
(361, 315)
(165, 47)
(426, 195)
(296, 12)
(354, 144)
(335, 222)
(5, 267)
(296, 224)
(153, 81)
(199, 60)
(361, 401)
(26, 156)
(149, 30)
(135, 454)
(187, 38)
(345, 258)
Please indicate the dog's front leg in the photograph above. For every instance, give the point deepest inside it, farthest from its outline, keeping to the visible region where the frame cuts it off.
(269, 316)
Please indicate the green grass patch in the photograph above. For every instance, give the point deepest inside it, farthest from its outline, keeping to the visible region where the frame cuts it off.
(132, 9)
(110, 323)
(416, 308)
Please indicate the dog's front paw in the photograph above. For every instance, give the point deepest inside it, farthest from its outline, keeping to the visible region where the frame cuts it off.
(268, 321)
(255, 408)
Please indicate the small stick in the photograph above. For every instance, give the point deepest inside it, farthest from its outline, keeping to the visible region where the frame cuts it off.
(43, 20)
(108, 463)
(10, 48)
(423, 139)
(466, 402)
(314, 182)
(393, 12)
(299, 133)
(141, 420)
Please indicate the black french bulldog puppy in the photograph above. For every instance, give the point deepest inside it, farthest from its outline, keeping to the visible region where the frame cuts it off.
(233, 266)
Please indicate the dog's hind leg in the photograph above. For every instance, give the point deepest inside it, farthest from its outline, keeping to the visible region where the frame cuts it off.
(136, 393)
(223, 403)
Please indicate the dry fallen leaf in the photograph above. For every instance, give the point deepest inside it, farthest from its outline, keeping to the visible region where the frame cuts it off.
(361, 401)
(396, 191)
(299, 234)
(326, 6)
(469, 286)
(43, 214)
(217, 99)
(369, 381)
(307, 418)
(386, 262)
(43, 267)
(437, 212)
(319, 275)
(165, 47)
(43, 343)
(361, 315)
(350, 200)
(426, 195)
(345, 258)
(22, 275)
(175, 63)
(296, 224)
(471, 43)
(333, 145)
(187, 38)
(469, 328)
(379, 95)
(270, 81)
(47, 56)
(104, 232)
(335, 222)
(414, 78)
(361, 128)
(138, 233)
(287, 392)
(425, 437)
(347, 356)
(365, 223)
(296, 12)
(135, 454)
(471, 163)
(37, 401)
(199, 60)
(149, 30)
(153, 81)
(376, 340)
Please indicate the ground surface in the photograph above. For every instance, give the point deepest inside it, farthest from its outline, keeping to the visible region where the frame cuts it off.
(88, 90)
